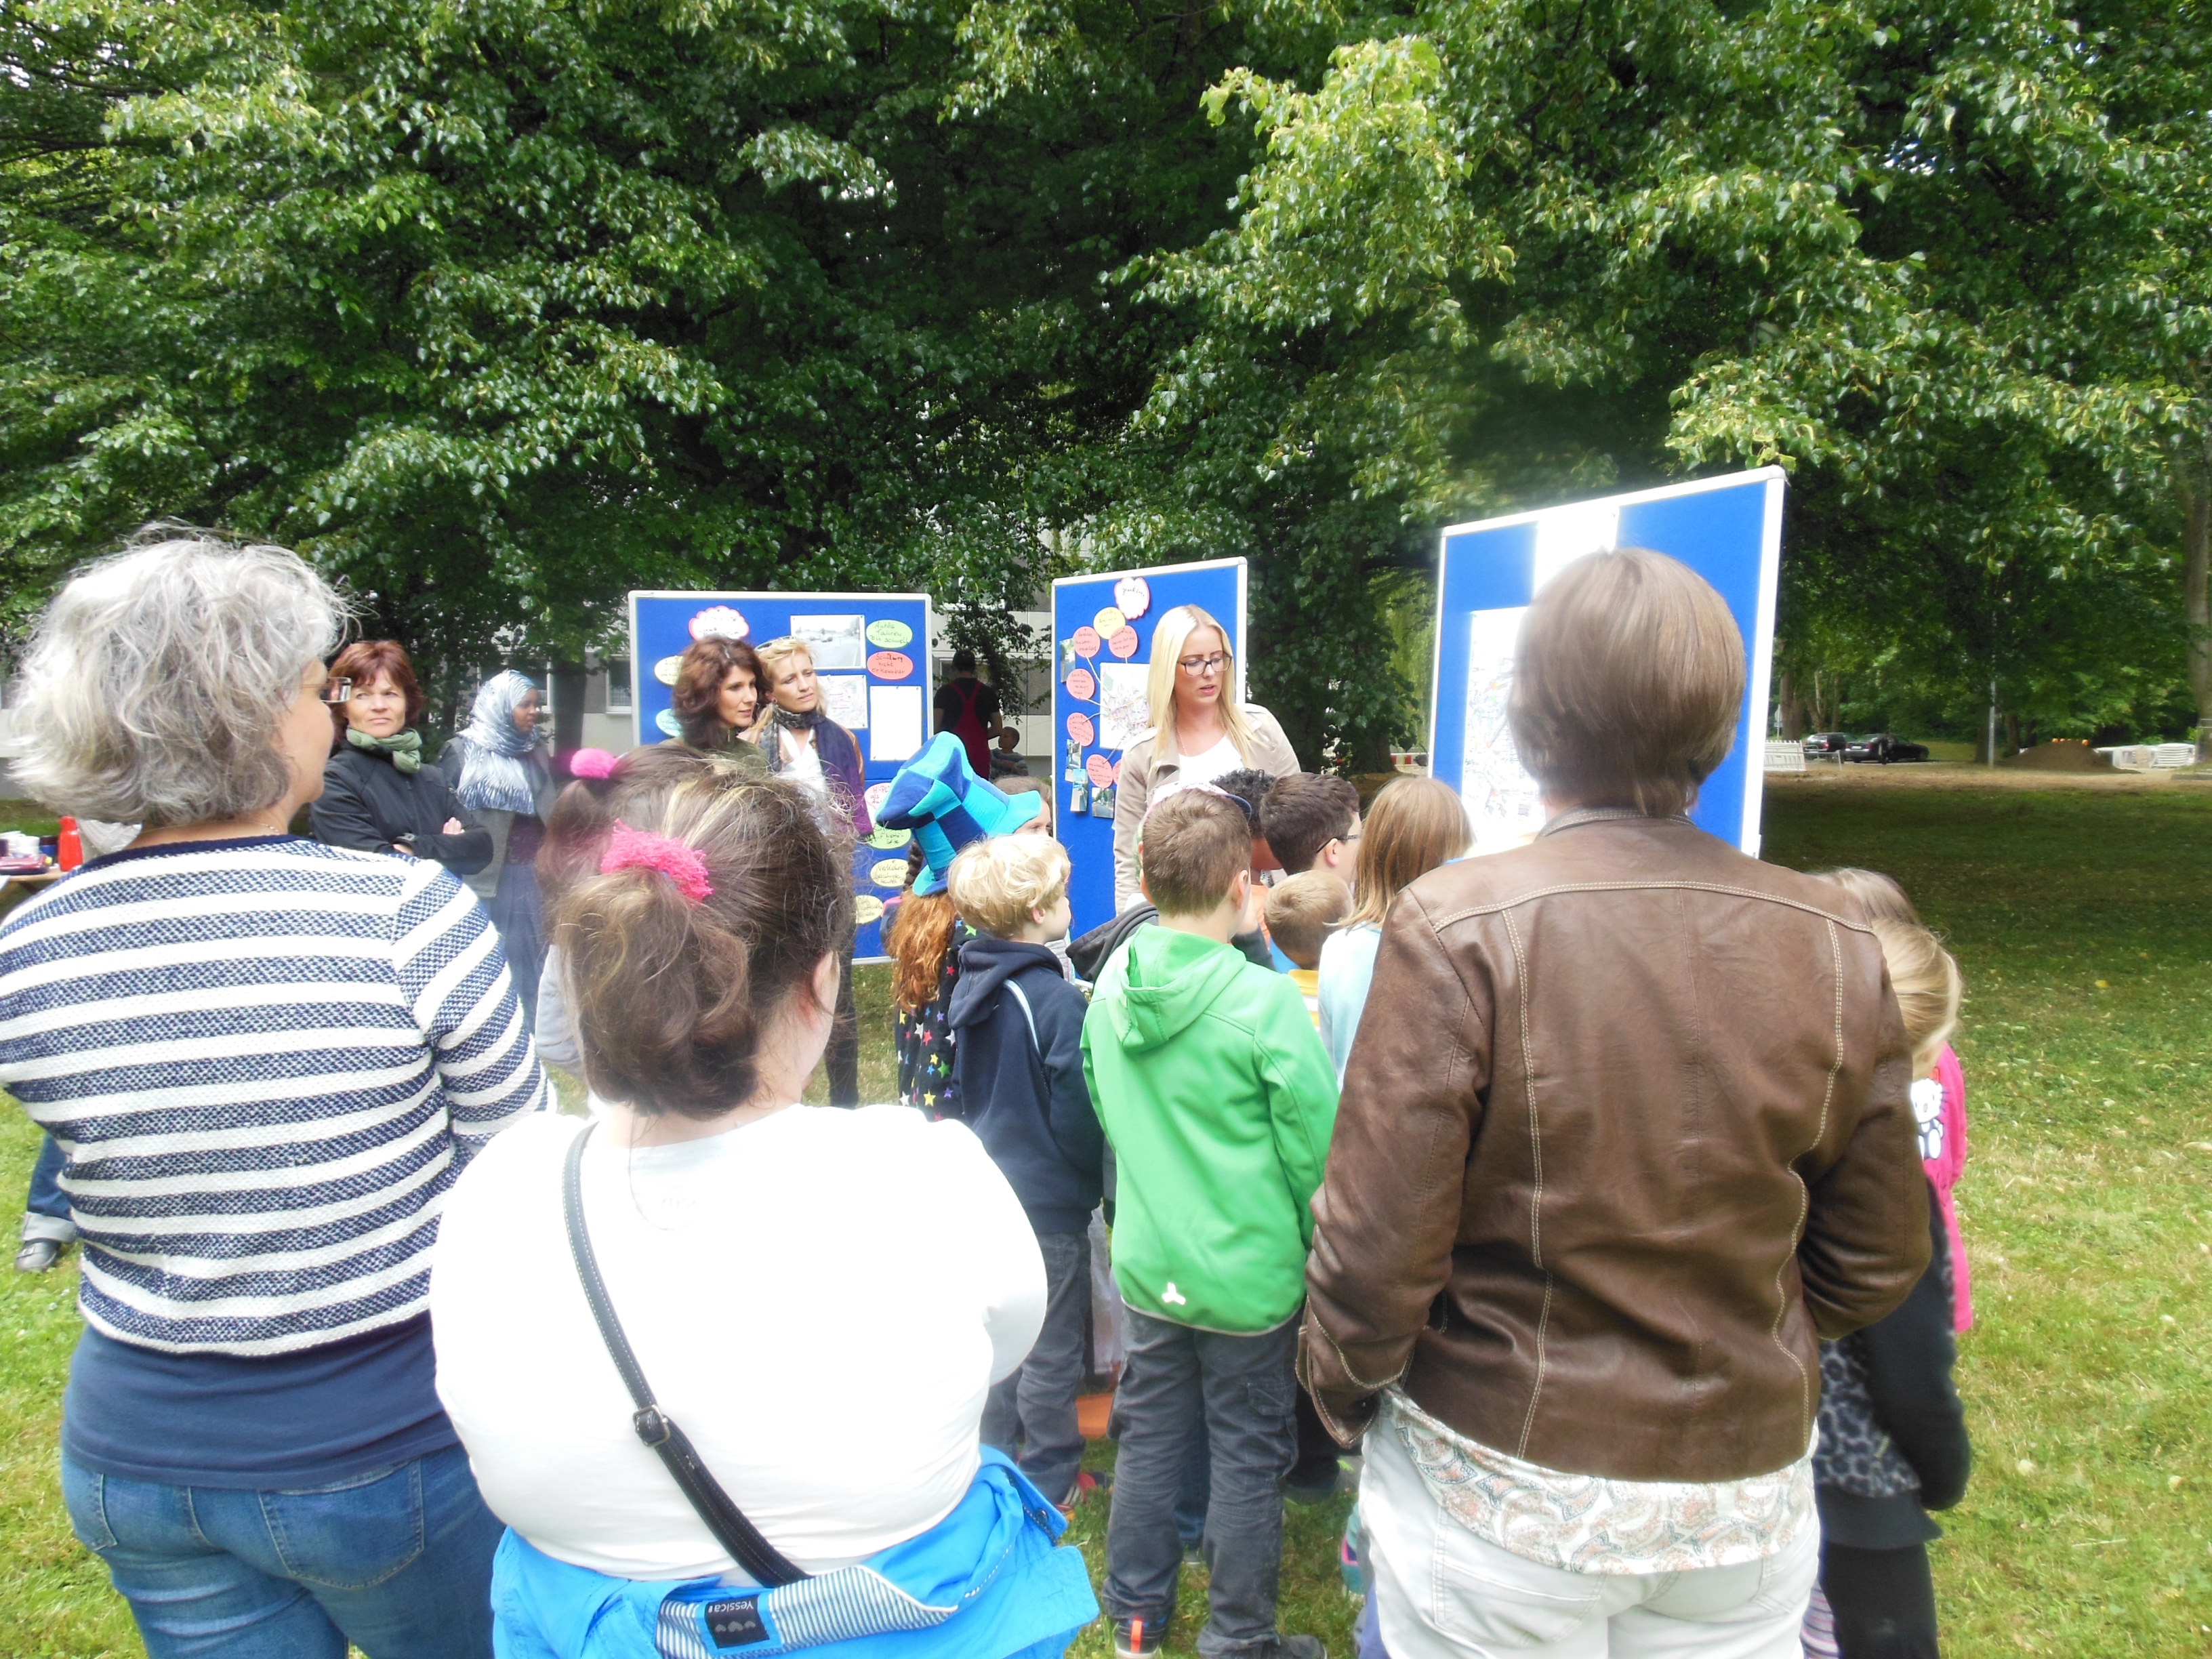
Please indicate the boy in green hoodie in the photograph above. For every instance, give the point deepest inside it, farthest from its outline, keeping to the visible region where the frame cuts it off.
(1219, 1100)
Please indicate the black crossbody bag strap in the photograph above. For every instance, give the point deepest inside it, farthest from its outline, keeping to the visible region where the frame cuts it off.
(722, 1517)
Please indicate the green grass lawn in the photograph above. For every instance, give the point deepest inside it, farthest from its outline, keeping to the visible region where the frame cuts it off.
(2081, 919)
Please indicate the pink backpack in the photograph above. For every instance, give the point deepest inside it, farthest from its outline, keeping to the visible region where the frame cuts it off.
(1939, 1107)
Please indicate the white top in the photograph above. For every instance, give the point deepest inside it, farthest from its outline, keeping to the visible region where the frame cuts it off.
(821, 1299)
(1210, 765)
(802, 763)
(1347, 970)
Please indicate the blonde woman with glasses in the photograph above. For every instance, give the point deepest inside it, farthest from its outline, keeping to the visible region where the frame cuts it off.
(1200, 733)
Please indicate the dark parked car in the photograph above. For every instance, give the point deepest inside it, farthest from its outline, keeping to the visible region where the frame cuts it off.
(1883, 747)
(1827, 742)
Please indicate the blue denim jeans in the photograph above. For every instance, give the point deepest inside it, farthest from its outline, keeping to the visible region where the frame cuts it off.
(46, 1207)
(1030, 1416)
(398, 1562)
(1241, 1387)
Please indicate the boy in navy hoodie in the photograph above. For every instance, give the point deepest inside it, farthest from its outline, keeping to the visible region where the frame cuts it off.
(1018, 1060)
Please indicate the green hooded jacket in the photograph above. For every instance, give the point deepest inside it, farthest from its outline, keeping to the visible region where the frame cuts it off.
(1219, 1100)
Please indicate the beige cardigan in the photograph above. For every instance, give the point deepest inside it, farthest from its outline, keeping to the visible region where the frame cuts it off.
(1151, 761)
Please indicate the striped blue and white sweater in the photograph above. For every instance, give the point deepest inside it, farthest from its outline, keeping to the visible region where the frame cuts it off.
(266, 1060)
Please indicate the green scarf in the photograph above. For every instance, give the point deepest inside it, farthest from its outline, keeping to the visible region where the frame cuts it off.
(406, 750)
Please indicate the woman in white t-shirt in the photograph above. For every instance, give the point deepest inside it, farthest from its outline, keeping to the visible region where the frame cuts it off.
(821, 1300)
(1200, 733)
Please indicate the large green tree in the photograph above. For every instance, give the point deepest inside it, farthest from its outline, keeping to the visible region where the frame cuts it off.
(1943, 261)
(500, 309)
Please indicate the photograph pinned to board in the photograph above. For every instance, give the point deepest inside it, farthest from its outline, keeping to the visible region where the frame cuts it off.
(845, 699)
(835, 641)
(1074, 771)
(1102, 801)
(1125, 709)
(1079, 800)
(895, 715)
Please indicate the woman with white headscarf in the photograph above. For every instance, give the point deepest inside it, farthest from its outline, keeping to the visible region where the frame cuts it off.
(501, 772)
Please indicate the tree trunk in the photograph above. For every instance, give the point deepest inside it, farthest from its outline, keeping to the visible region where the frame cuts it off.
(1793, 707)
(2192, 487)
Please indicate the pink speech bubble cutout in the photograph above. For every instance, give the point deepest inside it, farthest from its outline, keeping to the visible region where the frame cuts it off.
(1100, 770)
(1086, 640)
(890, 665)
(1080, 729)
(1082, 686)
(1124, 643)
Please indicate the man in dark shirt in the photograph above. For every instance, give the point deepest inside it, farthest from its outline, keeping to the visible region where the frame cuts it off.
(969, 710)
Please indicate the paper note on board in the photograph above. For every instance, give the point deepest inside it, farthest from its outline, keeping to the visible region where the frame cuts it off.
(1503, 806)
(1125, 712)
(845, 699)
(895, 722)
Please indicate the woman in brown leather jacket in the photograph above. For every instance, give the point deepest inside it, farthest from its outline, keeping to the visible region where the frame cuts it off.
(1625, 1133)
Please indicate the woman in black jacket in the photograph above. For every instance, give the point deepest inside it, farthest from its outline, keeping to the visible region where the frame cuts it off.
(378, 796)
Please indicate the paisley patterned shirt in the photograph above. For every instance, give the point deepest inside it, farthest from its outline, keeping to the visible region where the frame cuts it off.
(1587, 1523)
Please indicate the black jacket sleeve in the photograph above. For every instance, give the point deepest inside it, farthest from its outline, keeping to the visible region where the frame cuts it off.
(1909, 1356)
(1060, 1008)
(465, 853)
(342, 816)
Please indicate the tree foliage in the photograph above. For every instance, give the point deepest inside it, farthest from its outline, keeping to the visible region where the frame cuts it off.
(1943, 262)
(499, 308)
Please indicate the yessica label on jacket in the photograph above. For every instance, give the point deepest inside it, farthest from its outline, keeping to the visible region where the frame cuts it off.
(735, 1624)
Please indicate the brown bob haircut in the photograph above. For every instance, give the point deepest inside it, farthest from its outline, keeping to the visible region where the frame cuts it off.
(1303, 813)
(1626, 682)
(696, 696)
(362, 662)
(673, 999)
(1191, 849)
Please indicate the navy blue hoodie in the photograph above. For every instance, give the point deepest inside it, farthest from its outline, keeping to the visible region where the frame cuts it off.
(1025, 1098)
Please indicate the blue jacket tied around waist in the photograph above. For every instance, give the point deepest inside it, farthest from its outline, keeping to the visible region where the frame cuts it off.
(988, 1581)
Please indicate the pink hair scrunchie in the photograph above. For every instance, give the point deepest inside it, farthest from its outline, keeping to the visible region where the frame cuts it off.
(592, 763)
(641, 849)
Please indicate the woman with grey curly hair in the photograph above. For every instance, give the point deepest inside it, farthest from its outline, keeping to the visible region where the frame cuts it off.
(265, 1060)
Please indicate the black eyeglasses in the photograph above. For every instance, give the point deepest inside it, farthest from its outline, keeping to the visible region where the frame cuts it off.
(336, 691)
(1205, 664)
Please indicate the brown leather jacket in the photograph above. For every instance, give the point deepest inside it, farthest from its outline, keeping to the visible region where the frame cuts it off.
(1625, 1130)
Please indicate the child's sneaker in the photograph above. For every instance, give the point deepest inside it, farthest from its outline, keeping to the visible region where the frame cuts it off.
(1138, 1638)
(1086, 1484)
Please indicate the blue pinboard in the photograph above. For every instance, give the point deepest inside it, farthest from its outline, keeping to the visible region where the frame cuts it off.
(1097, 702)
(871, 655)
(1729, 530)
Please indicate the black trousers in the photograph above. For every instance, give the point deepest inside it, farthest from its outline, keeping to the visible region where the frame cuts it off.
(1884, 1601)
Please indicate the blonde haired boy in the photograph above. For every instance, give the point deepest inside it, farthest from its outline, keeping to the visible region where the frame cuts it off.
(1017, 1029)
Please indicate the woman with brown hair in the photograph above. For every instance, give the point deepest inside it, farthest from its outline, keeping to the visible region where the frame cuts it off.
(768, 1265)
(378, 797)
(717, 695)
(1415, 825)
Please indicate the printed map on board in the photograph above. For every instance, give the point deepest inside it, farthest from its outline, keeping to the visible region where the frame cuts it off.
(1125, 713)
(1502, 802)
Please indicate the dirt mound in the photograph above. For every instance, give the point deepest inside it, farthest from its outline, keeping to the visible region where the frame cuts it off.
(2060, 755)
